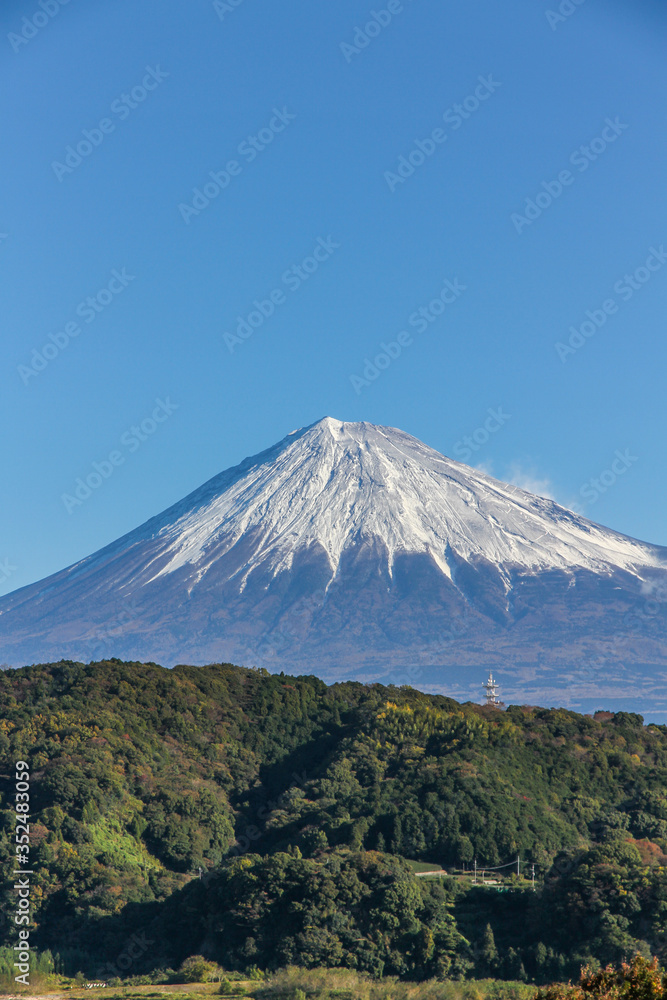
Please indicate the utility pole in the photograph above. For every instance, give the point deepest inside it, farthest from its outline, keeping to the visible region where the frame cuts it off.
(475, 871)
(518, 863)
(533, 875)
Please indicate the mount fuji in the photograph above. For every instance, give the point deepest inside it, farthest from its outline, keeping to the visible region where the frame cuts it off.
(351, 550)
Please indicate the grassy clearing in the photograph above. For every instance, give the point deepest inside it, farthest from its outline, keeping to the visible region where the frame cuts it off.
(423, 866)
(183, 991)
(343, 984)
(297, 984)
(108, 838)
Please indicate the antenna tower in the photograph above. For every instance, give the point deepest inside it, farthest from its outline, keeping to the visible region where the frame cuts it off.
(491, 688)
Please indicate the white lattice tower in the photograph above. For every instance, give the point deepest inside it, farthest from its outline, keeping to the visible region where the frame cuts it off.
(491, 688)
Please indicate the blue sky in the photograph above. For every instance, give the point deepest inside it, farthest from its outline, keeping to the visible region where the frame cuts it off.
(315, 119)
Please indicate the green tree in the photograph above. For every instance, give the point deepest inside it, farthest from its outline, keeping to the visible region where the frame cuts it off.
(488, 952)
(196, 969)
(638, 979)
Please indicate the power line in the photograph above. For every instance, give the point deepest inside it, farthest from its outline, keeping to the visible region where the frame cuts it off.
(488, 868)
(496, 868)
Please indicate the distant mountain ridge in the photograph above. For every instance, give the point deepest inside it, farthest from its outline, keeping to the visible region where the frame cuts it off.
(354, 550)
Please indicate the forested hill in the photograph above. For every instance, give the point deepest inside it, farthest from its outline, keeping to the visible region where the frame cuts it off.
(141, 776)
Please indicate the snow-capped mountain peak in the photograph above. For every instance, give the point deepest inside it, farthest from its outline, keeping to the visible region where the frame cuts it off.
(335, 484)
(353, 550)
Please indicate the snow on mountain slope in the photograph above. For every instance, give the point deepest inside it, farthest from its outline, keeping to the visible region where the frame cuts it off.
(348, 549)
(335, 483)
